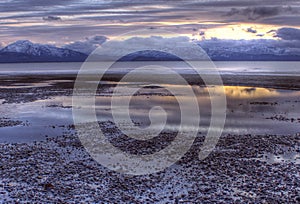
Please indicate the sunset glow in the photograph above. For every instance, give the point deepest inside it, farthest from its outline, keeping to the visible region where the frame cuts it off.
(196, 19)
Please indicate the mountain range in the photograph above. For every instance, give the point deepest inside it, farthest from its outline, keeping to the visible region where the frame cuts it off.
(26, 51)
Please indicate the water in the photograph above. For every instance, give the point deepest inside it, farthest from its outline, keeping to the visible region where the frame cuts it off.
(42, 118)
(235, 67)
(249, 111)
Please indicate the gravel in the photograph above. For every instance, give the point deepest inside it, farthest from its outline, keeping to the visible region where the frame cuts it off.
(60, 170)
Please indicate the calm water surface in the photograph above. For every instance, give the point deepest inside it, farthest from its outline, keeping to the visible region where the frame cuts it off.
(235, 67)
(250, 110)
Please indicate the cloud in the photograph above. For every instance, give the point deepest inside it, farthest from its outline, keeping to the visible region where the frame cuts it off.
(271, 31)
(215, 48)
(255, 13)
(220, 47)
(202, 33)
(119, 48)
(22, 19)
(288, 33)
(52, 18)
(288, 46)
(251, 30)
(31, 6)
(282, 20)
(234, 3)
(88, 45)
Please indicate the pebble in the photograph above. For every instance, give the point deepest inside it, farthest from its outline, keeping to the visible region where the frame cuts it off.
(59, 169)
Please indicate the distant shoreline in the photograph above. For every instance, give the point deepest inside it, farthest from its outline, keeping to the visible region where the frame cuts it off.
(213, 60)
(263, 81)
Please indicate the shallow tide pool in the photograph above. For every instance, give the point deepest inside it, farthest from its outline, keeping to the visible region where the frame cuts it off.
(250, 110)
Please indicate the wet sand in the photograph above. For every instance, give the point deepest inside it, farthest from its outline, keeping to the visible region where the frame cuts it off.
(266, 81)
(253, 167)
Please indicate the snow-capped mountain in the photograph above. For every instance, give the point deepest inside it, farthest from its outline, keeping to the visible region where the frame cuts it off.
(251, 50)
(150, 55)
(214, 55)
(26, 51)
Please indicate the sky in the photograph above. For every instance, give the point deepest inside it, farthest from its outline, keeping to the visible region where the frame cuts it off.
(86, 24)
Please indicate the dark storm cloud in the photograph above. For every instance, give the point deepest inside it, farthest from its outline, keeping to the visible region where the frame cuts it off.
(133, 18)
(271, 31)
(251, 30)
(87, 45)
(52, 18)
(241, 3)
(102, 17)
(31, 5)
(255, 13)
(288, 33)
(202, 33)
(285, 20)
(41, 8)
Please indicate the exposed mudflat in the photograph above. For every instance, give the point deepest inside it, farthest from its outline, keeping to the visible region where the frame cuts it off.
(257, 159)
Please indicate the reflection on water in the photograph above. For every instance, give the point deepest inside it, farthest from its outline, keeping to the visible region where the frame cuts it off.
(291, 68)
(43, 118)
(32, 85)
(249, 110)
(240, 92)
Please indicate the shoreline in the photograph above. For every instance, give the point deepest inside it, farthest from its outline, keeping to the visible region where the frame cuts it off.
(242, 167)
(263, 81)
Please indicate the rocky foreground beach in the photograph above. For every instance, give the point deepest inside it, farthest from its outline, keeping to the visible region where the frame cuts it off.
(243, 168)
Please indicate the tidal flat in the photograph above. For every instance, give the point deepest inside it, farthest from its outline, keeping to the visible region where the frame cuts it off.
(256, 160)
